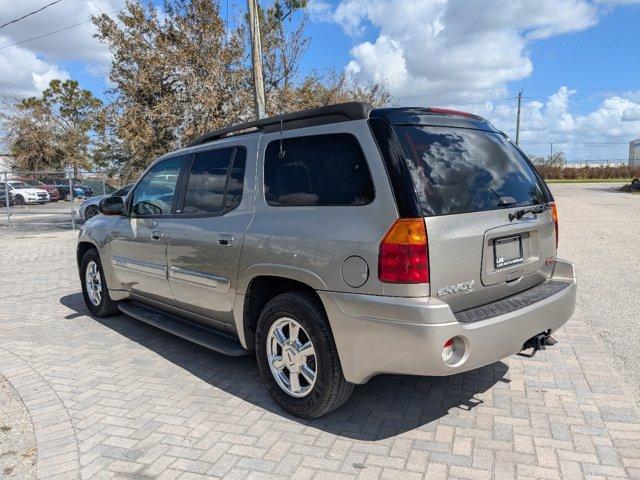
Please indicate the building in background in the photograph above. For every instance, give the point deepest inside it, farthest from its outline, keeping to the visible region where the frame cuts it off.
(634, 153)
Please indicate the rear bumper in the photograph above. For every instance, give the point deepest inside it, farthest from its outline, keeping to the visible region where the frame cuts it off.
(376, 335)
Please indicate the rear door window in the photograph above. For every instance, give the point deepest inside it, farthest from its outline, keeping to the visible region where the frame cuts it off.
(215, 182)
(460, 170)
(319, 170)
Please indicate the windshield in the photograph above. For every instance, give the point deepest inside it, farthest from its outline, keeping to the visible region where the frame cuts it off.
(33, 183)
(18, 185)
(122, 192)
(460, 170)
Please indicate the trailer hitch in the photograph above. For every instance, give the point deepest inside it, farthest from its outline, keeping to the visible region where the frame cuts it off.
(538, 342)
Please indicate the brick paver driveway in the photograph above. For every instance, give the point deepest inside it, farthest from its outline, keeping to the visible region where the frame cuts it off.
(115, 398)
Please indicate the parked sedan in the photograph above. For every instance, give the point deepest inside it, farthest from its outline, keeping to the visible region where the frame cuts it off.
(62, 184)
(89, 208)
(54, 193)
(20, 193)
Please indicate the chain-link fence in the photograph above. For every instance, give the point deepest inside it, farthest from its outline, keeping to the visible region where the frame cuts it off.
(52, 199)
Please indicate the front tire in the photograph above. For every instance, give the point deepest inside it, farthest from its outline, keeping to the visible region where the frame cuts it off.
(297, 356)
(94, 286)
(18, 200)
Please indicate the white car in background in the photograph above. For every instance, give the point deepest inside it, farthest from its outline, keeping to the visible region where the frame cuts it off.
(90, 207)
(20, 193)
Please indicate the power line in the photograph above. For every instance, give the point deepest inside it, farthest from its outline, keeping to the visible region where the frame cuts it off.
(54, 32)
(30, 13)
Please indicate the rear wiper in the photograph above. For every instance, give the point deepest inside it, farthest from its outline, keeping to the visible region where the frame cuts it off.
(518, 214)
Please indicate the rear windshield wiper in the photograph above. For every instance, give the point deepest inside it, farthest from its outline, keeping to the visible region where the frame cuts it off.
(518, 214)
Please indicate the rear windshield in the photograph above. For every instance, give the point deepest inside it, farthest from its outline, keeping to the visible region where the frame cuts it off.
(460, 170)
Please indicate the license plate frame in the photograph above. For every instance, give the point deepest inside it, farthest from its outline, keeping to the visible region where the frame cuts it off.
(507, 251)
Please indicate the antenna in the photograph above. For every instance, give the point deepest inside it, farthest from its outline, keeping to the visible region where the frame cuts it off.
(281, 153)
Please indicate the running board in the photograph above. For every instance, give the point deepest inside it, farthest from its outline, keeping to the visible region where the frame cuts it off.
(195, 333)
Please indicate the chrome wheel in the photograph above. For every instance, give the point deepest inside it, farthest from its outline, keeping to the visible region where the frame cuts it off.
(291, 357)
(93, 282)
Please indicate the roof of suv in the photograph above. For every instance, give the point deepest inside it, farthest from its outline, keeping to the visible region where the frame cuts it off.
(343, 112)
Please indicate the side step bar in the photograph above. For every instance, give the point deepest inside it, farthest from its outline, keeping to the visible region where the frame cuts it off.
(195, 333)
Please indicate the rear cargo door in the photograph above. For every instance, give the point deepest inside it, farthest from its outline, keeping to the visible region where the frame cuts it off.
(489, 225)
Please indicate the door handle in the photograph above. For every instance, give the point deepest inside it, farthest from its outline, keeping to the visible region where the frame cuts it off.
(156, 235)
(225, 240)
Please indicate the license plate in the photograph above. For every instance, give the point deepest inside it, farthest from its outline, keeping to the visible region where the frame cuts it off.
(507, 251)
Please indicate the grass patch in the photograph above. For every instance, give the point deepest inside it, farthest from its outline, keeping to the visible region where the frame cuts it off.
(588, 180)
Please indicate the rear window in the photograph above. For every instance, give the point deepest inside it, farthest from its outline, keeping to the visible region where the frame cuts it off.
(458, 170)
(317, 170)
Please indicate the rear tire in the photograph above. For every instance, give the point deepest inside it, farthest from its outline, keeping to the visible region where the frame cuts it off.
(18, 200)
(328, 389)
(94, 286)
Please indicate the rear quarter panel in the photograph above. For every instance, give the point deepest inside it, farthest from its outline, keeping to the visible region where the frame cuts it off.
(310, 243)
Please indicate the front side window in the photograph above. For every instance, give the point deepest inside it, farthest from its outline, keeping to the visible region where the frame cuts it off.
(319, 170)
(154, 194)
(215, 182)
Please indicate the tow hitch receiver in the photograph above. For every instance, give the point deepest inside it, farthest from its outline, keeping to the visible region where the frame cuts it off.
(538, 342)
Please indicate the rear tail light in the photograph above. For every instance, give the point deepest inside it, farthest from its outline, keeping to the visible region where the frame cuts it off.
(554, 215)
(403, 256)
(448, 111)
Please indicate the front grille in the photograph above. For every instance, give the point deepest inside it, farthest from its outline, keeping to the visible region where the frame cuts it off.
(511, 304)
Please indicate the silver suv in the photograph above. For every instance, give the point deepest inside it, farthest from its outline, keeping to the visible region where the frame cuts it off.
(337, 244)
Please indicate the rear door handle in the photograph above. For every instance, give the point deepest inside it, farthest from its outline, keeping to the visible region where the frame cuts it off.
(156, 236)
(225, 239)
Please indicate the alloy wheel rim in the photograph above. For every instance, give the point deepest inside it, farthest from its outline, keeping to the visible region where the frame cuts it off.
(291, 357)
(93, 282)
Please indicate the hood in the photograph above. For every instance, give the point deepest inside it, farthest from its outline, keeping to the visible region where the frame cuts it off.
(30, 191)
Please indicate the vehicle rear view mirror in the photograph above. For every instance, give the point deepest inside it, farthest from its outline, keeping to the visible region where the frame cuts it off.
(112, 206)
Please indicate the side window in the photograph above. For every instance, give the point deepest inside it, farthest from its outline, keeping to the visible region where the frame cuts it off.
(236, 180)
(327, 170)
(154, 194)
(215, 185)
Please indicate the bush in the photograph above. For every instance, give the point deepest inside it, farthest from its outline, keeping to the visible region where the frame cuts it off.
(554, 172)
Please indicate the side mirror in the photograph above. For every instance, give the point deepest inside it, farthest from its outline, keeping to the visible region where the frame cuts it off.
(111, 206)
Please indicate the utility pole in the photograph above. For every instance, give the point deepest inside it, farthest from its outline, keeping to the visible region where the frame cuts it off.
(256, 58)
(518, 118)
(551, 152)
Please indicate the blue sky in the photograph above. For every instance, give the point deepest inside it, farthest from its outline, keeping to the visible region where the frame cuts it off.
(577, 61)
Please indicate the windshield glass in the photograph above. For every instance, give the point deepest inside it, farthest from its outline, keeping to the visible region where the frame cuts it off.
(33, 183)
(122, 192)
(18, 185)
(460, 170)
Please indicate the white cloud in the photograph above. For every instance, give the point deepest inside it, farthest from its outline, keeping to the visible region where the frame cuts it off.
(433, 49)
(23, 73)
(601, 134)
(461, 52)
(26, 68)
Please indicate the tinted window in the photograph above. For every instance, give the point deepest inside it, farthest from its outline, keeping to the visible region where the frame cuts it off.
(317, 170)
(214, 184)
(236, 180)
(154, 194)
(457, 170)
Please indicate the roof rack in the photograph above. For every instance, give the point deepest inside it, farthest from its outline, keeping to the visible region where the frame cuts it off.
(341, 112)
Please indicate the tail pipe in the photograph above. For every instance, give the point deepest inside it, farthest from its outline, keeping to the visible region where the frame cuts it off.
(538, 342)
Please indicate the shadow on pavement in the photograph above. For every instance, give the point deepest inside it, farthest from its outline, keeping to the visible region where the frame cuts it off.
(386, 406)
